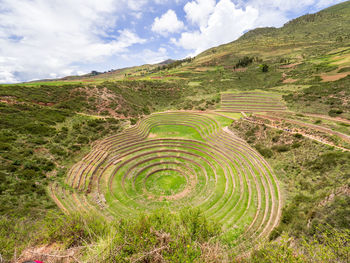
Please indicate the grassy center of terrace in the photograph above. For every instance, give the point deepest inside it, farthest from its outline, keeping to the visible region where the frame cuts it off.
(174, 131)
(165, 183)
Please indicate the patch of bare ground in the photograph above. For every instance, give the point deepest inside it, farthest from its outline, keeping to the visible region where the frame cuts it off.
(344, 190)
(13, 100)
(202, 69)
(285, 79)
(240, 70)
(8, 99)
(152, 135)
(104, 100)
(49, 254)
(213, 253)
(326, 78)
(290, 65)
(289, 80)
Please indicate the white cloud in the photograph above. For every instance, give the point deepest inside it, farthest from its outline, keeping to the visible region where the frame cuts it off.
(292, 5)
(7, 77)
(39, 38)
(136, 5)
(326, 3)
(148, 56)
(224, 24)
(167, 23)
(198, 11)
(216, 23)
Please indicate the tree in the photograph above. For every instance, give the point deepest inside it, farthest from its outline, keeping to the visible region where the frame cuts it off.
(264, 68)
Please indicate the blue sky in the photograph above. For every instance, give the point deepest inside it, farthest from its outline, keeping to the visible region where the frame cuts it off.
(54, 38)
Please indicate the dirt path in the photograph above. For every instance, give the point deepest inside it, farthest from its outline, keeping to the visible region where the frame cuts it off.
(338, 119)
(309, 125)
(305, 135)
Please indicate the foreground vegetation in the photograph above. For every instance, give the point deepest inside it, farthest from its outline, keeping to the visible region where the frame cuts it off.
(165, 237)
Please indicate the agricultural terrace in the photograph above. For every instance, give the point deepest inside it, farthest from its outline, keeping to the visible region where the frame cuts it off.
(251, 102)
(176, 159)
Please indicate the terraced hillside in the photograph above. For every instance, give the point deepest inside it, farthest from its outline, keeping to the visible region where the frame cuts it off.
(251, 102)
(177, 159)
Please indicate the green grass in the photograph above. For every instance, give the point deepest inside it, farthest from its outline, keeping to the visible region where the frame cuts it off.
(186, 162)
(174, 131)
(45, 83)
(165, 183)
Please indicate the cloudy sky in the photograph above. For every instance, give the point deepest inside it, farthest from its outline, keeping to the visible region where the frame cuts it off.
(54, 38)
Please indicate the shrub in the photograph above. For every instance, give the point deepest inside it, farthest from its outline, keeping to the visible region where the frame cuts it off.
(335, 112)
(133, 121)
(266, 152)
(39, 129)
(276, 138)
(264, 68)
(281, 148)
(82, 139)
(298, 135)
(244, 62)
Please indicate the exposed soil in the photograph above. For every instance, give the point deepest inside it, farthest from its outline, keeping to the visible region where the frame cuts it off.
(345, 190)
(49, 254)
(202, 69)
(336, 77)
(290, 65)
(289, 80)
(152, 135)
(240, 70)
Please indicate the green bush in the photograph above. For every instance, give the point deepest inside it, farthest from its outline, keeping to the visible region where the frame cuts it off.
(281, 148)
(39, 129)
(335, 112)
(264, 68)
(133, 121)
(298, 135)
(264, 151)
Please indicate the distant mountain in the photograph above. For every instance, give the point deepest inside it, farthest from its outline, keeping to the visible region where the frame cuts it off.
(166, 62)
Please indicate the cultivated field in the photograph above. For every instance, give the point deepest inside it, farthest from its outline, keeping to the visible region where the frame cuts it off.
(251, 102)
(176, 159)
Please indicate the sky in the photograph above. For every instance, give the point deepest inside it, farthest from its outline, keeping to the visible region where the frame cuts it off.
(55, 38)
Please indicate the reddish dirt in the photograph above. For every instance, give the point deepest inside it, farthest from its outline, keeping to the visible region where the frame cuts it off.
(289, 80)
(49, 254)
(240, 70)
(6, 101)
(104, 99)
(45, 103)
(13, 100)
(202, 69)
(344, 190)
(290, 65)
(336, 77)
(152, 135)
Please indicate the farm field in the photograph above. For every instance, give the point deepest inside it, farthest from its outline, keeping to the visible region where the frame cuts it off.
(251, 102)
(172, 160)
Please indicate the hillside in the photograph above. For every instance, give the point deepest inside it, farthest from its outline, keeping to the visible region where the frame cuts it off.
(240, 154)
